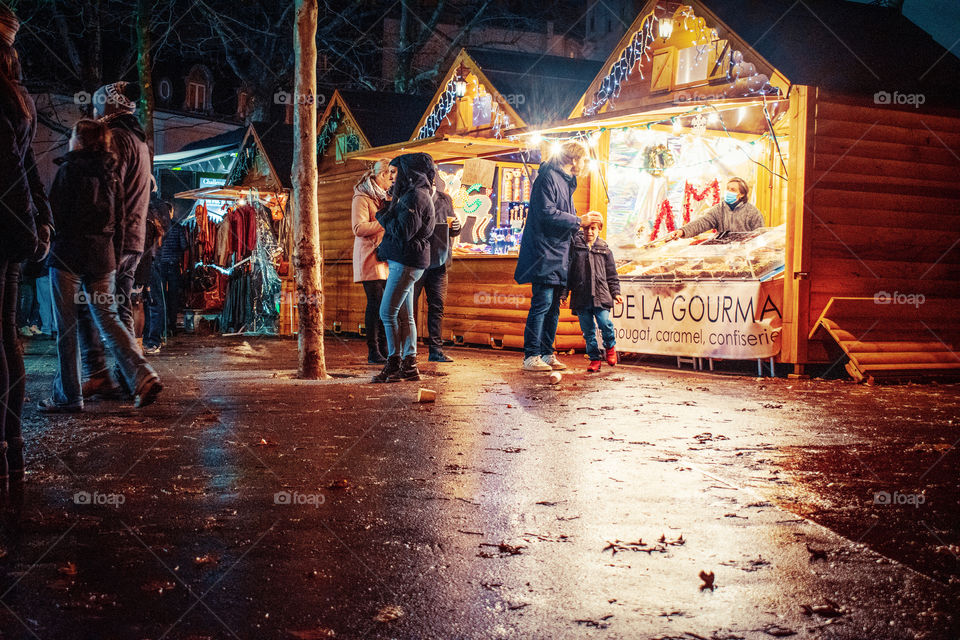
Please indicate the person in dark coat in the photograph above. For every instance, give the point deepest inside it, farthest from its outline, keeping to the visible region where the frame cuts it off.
(434, 280)
(545, 250)
(149, 274)
(733, 214)
(83, 268)
(408, 221)
(594, 287)
(25, 229)
(115, 106)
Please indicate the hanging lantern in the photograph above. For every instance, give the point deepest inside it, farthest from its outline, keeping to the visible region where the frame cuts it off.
(665, 27)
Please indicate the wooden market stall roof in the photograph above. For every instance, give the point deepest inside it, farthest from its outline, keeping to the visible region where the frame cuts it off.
(843, 47)
(442, 148)
(541, 88)
(381, 116)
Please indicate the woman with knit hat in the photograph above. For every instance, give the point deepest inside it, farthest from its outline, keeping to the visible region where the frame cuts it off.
(25, 228)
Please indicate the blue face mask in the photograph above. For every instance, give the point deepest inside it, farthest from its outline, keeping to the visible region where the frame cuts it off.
(730, 198)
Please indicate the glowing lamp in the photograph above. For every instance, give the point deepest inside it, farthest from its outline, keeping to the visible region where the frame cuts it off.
(665, 27)
(460, 87)
(555, 148)
(536, 138)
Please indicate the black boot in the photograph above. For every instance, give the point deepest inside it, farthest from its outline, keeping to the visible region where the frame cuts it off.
(437, 355)
(408, 370)
(374, 355)
(15, 459)
(391, 368)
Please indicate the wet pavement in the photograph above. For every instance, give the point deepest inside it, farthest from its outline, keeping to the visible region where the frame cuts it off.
(247, 504)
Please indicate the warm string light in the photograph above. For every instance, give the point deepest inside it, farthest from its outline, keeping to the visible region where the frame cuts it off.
(440, 110)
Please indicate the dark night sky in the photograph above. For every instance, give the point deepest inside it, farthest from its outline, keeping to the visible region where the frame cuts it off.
(939, 18)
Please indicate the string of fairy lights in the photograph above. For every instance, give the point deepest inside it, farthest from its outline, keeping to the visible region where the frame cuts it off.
(709, 114)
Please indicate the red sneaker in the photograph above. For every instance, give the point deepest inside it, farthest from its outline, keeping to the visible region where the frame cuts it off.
(594, 366)
(612, 357)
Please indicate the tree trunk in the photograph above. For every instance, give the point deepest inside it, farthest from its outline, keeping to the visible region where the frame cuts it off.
(145, 68)
(307, 261)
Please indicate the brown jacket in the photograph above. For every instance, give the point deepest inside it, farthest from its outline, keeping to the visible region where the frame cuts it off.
(368, 234)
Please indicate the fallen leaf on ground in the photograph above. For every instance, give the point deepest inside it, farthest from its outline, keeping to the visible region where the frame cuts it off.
(159, 586)
(313, 634)
(708, 579)
(342, 483)
(205, 559)
(388, 613)
(829, 610)
(68, 569)
(265, 443)
(777, 631)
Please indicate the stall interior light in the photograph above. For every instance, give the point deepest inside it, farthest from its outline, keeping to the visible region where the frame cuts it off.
(594, 165)
(713, 118)
(536, 138)
(677, 126)
(555, 148)
(460, 87)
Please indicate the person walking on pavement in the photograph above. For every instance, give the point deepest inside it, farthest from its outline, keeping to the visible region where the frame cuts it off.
(114, 105)
(369, 196)
(25, 228)
(148, 275)
(408, 221)
(545, 250)
(83, 268)
(434, 280)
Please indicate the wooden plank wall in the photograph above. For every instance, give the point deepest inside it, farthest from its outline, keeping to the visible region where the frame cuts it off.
(883, 200)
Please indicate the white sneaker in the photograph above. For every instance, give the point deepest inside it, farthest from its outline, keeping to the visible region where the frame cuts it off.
(534, 363)
(552, 362)
(35, 330)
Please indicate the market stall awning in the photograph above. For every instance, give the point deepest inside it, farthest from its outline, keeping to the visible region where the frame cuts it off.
(641, 116)
(209, 159)
(222, 193)
(442, 148)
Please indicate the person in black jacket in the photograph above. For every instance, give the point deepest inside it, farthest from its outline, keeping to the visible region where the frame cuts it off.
(594, 286)
(545, 252)
(408, 221)
(25, 228)
(434, 279)
(114, 105)
(83, 268)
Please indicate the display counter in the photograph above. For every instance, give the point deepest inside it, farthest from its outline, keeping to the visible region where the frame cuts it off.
(706, 297)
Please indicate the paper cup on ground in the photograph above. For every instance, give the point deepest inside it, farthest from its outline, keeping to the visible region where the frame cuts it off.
(426, 395)
(555, 377)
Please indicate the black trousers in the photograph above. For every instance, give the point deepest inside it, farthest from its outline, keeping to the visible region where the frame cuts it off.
(434, 282)
(376, 338)
(12, 374)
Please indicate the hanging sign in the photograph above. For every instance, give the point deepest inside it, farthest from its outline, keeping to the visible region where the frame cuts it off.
(724, 320)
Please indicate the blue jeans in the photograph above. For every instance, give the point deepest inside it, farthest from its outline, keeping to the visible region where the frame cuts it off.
(542, 319)
(101, 305)
(590, 319)
(396, 309)
(94, 356)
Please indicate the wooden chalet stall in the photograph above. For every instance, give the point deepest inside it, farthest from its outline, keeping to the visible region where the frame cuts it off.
(816, 107)
(235, 216)
(482, 95)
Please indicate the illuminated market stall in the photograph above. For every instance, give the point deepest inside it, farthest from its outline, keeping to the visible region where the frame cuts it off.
(683, 104)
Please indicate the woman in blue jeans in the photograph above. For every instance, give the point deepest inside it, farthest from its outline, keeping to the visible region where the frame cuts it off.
(83, 268)
(408, 221)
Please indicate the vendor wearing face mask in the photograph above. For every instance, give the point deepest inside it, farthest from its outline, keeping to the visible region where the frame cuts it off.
(733, 214)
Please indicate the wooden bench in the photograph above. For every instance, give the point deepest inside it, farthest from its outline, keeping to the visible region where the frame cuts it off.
(886, 338)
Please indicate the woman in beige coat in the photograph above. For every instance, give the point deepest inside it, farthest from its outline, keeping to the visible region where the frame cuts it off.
(368, 196)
